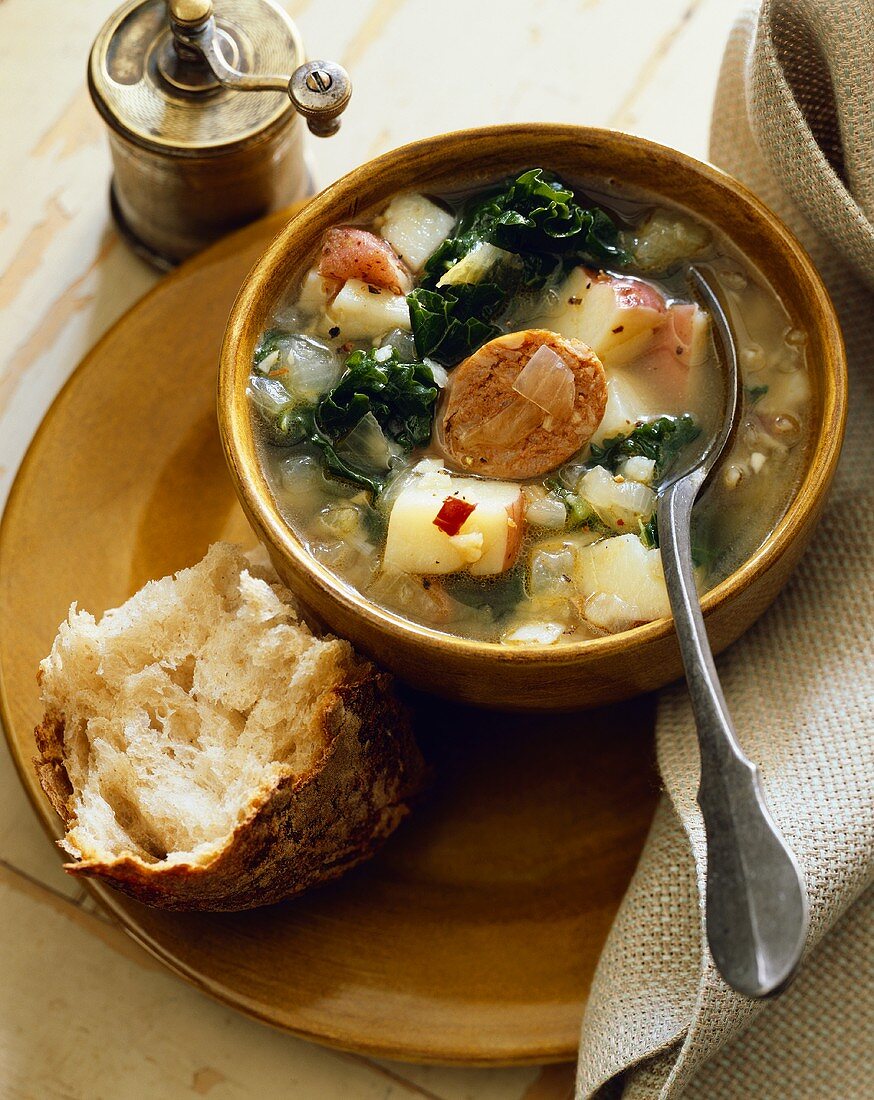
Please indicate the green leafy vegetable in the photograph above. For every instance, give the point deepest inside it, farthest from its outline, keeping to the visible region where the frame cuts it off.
(703, 552)
(498, 595)
(535, 213)
(400, 396)
(579, 512)
(649, 532)
(535, 217)
(660, 440)
(271, 341)
(451, 323)
(755, 393)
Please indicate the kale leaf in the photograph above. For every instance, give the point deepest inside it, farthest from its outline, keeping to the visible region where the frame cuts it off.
(271, 341)
(452, 322)
(401, 397)
(535, 217)
(755, 393)
(535, 213)
(660, 440)
(649, 532)
(579, 512)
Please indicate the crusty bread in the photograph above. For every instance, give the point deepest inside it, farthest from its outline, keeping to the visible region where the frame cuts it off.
(206, 751)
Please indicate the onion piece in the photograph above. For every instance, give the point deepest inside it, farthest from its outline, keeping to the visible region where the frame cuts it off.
(548, 382)
(507, 427)
(366, 447)
(438, 373)
(533, 633)
(546, 511)
(551, 571)
(620, 504)
(474, 267)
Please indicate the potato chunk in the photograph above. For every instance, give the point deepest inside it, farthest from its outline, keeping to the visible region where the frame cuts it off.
(415, 227)
(361, 310)
(623, 567)
(487, 542)
(607, 313)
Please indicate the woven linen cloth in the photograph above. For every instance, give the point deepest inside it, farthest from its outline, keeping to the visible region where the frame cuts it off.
(794, 120)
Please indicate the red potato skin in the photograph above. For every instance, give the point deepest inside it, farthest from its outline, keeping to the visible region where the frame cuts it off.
(352, 253)
(631, 293)
(669, 354)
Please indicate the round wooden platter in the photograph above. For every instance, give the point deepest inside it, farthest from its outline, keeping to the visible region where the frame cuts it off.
(473, 936)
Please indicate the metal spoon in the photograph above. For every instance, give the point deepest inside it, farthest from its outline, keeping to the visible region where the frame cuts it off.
(756, 906)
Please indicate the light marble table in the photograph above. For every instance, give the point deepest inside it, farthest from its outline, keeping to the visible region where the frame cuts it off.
(85, 1013)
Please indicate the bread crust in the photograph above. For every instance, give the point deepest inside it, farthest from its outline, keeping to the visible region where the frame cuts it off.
(300, 831)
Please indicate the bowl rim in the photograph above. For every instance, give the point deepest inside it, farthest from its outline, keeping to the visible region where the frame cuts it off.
(254, 494)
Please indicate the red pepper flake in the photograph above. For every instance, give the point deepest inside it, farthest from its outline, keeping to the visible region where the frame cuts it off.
(453, 515)
(280, 372)
(618, 328)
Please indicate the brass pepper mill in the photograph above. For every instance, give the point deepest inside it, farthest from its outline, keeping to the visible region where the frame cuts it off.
(193, 157)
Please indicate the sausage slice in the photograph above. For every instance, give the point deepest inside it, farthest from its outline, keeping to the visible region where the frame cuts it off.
(526, 441)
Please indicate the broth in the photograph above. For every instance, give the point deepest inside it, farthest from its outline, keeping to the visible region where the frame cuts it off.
(576, 563)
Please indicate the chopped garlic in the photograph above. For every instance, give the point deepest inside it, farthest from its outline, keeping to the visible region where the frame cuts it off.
(268, 363)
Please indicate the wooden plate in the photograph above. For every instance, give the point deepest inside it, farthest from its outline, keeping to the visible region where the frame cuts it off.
(473, 937)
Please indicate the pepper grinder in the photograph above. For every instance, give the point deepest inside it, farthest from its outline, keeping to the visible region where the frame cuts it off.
(195, 154)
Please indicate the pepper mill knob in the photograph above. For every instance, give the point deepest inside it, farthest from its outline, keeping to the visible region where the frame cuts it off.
(320, 91)
(190, 12)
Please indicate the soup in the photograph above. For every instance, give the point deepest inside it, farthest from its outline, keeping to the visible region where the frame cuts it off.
(466, 405)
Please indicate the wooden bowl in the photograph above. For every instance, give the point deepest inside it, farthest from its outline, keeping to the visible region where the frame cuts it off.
(593, 671)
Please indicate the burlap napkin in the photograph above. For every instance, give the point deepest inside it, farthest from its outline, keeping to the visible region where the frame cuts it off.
(794, 119)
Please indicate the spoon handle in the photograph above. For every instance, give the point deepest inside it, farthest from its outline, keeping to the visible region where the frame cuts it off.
(757, 911)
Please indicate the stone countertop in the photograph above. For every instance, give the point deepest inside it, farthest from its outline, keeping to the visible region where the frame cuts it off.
(84, 1012)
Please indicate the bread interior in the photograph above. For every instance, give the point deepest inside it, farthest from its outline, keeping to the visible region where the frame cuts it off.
(183, 705)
